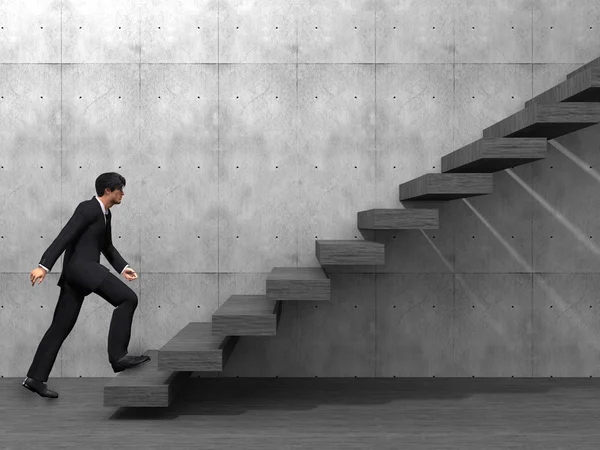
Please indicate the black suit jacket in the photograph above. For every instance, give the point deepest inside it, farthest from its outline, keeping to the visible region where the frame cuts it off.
(84, 236)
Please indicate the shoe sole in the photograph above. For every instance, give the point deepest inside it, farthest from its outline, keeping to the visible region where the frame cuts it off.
(130, 367)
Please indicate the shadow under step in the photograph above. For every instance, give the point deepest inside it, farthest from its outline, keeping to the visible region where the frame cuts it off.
(298, 283)
(247, 315)
(594, 63)
(582, 87)
(549, 121)
(494, 154)
(145, 385)
(442, 186)
(349, 253)
(196, 349)
(398, 219)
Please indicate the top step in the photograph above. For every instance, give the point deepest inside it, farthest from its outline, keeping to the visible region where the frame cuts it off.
(583, 87)
(549, 121)
(594, 63)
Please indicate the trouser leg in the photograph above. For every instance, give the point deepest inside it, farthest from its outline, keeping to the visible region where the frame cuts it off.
(125, 301)
(65, 315)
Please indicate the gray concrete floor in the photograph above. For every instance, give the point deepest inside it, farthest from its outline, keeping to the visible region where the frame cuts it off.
(309, 413)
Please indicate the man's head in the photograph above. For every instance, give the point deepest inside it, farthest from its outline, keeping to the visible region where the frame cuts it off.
(110, 188)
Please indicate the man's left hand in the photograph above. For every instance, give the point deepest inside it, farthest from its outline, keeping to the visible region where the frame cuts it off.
(130, 274)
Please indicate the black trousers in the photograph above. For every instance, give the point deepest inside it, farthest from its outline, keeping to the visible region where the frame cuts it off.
(67, 310)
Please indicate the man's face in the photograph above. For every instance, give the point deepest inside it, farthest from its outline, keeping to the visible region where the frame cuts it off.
(118, 195)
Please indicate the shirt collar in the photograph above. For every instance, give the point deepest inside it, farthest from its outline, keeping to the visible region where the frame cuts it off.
(102, 205)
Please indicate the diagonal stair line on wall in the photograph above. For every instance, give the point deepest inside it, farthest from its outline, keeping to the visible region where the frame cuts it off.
(519, 139)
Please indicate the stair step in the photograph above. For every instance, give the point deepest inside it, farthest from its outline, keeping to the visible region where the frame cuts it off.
(398, 219)
(298, 283)
(247, 315)
(549, 121)
(447, 186)
(494, 154)
(594, 63)
(583, 87)
(195, 348)
(145, 385)
(349, 253)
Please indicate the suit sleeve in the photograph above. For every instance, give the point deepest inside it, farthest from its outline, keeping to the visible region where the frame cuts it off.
(112, 255)
(78, 222)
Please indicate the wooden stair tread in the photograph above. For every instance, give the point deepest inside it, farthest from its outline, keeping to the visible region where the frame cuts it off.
(196, 348)
(397, 219)
(145, 385)
(247, 315)
(582, 87)
(337, 252)
(196, 337)
(494, 154)
(447, 186)
(298, 283)
(247, 305)
(297, 273)
(145, 375)
(594, 63)
(549, 121)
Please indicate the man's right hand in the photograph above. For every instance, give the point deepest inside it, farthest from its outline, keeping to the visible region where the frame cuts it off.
(37, 273)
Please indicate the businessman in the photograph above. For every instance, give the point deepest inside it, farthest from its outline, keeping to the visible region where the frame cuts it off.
(86, 234)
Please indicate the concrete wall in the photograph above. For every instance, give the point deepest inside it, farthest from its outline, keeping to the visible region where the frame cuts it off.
(246, 130)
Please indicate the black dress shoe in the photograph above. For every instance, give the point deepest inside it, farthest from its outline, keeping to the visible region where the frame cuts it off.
(127, 362)
(39, 387)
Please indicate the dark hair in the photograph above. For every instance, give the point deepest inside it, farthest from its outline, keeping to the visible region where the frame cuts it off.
(110, 180)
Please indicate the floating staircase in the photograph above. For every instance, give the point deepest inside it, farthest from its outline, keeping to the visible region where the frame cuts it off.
(519, 139)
